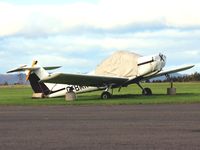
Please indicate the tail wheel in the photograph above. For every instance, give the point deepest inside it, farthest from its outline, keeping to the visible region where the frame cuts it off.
(105, 95)
(146, 91)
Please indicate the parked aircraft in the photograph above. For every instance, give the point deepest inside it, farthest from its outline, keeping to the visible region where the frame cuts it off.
(119, 70)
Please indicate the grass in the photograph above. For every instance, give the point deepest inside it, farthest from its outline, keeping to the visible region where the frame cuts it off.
(186, 93)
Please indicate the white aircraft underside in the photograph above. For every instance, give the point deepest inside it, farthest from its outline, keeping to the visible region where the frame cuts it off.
(58, 84)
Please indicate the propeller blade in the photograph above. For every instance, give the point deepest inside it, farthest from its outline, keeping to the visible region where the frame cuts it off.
(161, 57)
(29, 71)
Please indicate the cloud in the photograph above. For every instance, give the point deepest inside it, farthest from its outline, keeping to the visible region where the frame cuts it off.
(68, 64)
(104, 15)
(79, 34)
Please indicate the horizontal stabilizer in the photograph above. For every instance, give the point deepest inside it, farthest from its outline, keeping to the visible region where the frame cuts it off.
(52, 67)
(22, 69)
(31, 68)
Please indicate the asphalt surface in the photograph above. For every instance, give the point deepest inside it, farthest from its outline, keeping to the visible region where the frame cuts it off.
(100, 127)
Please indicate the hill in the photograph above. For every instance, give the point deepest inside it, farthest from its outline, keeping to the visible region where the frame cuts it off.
(12, 79)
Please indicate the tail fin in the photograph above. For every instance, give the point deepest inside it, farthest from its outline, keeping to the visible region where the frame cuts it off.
(38, 87)
(34, 74)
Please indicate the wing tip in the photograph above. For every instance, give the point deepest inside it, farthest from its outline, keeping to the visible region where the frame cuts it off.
(189, 66)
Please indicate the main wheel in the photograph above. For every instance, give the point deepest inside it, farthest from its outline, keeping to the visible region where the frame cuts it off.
(105, 95)
(146, 91)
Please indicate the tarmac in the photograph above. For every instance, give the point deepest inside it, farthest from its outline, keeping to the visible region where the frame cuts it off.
(100, 127)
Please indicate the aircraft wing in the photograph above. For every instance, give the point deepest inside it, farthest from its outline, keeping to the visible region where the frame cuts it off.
(83, 79)
(165, 72)
(100, 81)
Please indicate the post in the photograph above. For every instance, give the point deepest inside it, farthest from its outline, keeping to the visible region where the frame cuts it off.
(171, 90)
(70, 96)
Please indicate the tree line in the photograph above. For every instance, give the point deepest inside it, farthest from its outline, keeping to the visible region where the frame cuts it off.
(184, 78)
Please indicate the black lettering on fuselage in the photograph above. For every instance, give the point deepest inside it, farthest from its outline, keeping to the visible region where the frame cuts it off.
(75, 88)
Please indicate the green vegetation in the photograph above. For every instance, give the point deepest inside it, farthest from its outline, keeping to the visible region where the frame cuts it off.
(195, 77)
(186, 93)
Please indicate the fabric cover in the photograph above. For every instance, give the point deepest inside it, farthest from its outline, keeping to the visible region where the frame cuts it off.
(120, 64)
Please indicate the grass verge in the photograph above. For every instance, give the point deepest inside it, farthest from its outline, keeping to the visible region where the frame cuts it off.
(186, 93)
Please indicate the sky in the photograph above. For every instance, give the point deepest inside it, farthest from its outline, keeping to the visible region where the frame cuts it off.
(79, 34)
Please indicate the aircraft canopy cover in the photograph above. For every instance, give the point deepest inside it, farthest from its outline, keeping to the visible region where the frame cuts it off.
(120, 64)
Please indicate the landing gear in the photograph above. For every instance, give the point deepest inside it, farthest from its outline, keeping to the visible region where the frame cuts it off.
(145, 91)
(106, 95)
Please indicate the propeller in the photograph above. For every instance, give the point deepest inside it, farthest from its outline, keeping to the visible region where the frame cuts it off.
(29, 71)
(162, 57)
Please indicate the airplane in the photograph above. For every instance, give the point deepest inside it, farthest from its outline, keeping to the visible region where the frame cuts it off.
(119, 70)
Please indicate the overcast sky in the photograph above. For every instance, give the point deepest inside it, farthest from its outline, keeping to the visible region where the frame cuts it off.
(78, 34)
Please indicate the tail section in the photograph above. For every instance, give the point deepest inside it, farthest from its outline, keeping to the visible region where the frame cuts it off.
(38, 87)
(34, 74)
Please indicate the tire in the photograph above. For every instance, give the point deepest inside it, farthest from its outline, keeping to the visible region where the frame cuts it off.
(105, 95)
(146, 91)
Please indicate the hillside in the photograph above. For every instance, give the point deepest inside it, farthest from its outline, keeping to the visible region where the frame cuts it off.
(12, 79)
